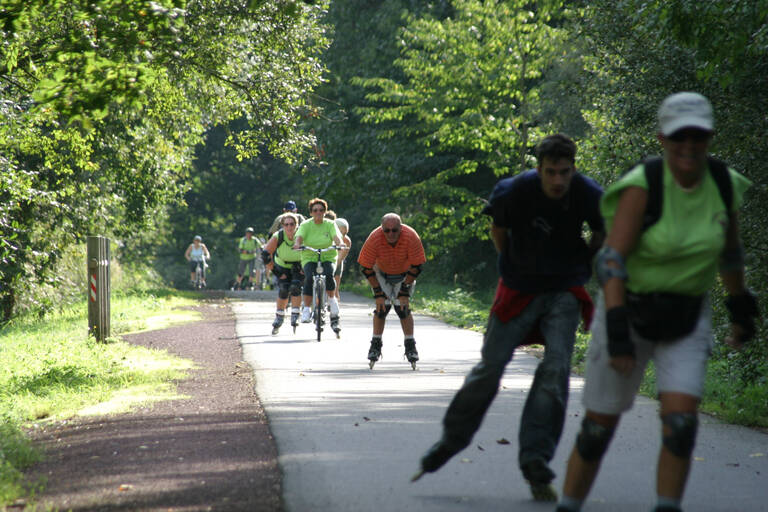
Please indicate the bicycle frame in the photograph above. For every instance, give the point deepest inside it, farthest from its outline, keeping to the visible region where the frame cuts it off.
(318, 288)
(199, 269)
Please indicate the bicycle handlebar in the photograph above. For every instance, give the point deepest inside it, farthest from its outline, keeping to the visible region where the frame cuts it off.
(326, 249)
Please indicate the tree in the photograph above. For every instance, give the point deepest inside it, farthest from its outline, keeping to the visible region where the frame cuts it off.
(105, 101)
(471, 101)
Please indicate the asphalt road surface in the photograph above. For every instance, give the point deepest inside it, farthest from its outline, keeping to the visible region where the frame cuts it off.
(349, 438)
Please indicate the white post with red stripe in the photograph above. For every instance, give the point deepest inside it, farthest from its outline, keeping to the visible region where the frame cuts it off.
(98, 286)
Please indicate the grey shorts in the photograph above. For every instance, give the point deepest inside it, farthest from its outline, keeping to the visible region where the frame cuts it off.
(390, 285)
(249, 264)
(681, 365)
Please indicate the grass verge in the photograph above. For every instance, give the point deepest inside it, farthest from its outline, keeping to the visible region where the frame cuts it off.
(50, 369)
(731, 394)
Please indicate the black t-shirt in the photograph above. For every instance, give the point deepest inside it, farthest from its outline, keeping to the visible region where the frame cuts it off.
(545, 249)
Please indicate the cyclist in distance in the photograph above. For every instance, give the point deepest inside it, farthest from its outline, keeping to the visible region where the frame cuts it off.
(391, 260)
(537, 224)
(343, 226)
(279, 256)
(672, 227)
(248, 247)
(194, 255)
(318, 232)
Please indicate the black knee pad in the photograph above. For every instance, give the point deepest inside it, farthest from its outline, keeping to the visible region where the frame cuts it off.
(683, 428)
(383, 314)
(593, 440)
(295, 288)
(282, 290)
(402, 311)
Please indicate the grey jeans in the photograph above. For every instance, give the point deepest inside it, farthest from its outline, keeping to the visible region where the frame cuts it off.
(544, 413)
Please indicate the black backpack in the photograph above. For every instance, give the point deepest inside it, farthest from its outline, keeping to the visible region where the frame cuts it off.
(654, 168)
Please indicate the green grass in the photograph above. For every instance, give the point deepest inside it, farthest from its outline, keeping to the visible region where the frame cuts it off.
(50, 369)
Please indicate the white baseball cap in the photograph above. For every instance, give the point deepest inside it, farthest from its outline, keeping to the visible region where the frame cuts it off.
(685, 110)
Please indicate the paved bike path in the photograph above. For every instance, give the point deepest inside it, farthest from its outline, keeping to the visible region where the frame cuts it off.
(349, 438)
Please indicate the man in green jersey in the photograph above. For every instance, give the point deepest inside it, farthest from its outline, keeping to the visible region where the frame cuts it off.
(248, 248)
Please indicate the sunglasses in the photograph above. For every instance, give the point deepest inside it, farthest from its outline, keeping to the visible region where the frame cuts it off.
(392, 230)
(318, 210)
(694, 135)
(289, 224)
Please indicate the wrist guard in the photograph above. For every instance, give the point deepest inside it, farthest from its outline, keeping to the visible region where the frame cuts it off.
(378, 293)
(405, 290)
(266, 257)
(742, 310)
(617, 327)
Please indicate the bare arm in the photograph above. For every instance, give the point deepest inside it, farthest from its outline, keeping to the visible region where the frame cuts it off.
(624, 234)
(205, 251)
(186, 253)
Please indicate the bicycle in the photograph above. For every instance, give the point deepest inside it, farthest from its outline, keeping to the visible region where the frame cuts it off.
(199, 282)
(318, 289)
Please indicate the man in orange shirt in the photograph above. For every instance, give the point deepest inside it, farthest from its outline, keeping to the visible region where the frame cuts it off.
(391, 260)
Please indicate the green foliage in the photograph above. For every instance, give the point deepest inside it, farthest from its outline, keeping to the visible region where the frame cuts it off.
(470, 98)
(104, 102)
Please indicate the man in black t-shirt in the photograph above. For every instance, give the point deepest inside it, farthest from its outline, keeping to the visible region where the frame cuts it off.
(544, 262)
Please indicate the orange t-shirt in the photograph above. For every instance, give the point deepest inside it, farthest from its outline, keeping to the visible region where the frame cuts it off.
(395, 259)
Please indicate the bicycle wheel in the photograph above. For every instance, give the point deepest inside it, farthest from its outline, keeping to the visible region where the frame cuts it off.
(319, 303)
(198, 277)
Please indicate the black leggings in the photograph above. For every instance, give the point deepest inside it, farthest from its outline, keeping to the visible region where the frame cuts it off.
(309, 273)
(289, 280)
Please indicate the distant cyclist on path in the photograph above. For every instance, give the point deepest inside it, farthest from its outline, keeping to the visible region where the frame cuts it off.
(197, 253)
(247, 248)
(537, 220)
(391, 260)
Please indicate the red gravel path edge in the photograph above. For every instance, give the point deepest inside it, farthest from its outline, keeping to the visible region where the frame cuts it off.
(211, 451)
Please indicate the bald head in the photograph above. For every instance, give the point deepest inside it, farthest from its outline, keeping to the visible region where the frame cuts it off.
(390, 224)
(390, 217)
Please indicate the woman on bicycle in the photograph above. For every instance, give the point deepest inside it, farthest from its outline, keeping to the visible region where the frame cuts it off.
(317, 232)
(343, 226)
(279, 256)
(196, 254)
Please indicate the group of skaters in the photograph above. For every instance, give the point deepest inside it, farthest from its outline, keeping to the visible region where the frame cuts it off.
(390, 259)
(659, 237)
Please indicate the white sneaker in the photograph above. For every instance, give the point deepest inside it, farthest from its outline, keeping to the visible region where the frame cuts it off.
(306, 315)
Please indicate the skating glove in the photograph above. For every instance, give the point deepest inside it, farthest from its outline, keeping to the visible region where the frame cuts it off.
(617, 325)
(742, 310)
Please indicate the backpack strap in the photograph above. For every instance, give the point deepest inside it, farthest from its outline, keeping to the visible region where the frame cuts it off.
(719, 171)
(654, 176)
(280, 237)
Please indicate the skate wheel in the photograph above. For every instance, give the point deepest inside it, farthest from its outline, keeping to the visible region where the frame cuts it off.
(294, 329)
(413, 365)
(371, 363)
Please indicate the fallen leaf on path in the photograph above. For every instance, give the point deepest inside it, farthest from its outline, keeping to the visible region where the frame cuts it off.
(757, 454)
(125, 487)
(480, 448)
(698, 458)
(733, 464)
(366, 418)
(503, 440)
(466, 461)
(357, 424)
